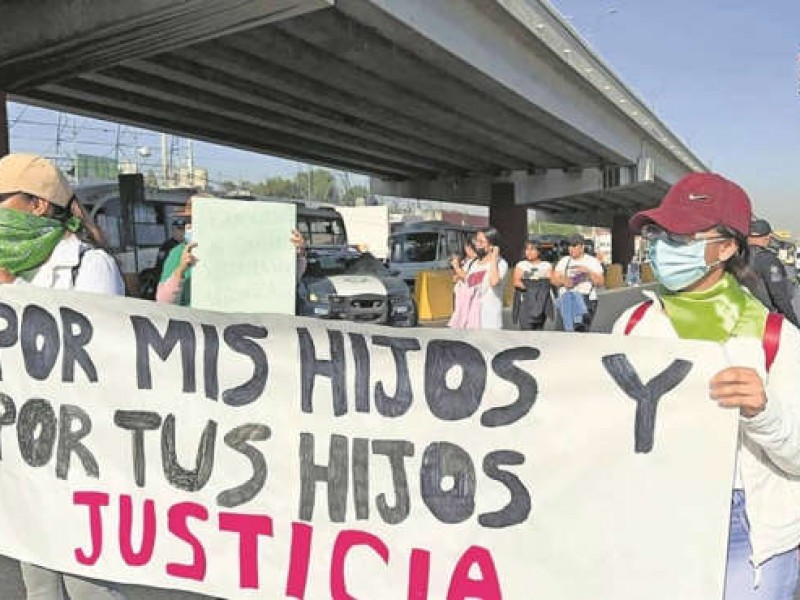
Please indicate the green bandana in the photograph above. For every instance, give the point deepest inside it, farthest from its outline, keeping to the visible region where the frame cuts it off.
(27, 240)
(725, 310)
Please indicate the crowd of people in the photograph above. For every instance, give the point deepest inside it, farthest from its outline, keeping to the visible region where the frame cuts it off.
(715, 280)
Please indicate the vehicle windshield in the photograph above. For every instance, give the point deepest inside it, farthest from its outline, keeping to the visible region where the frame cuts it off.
(325, 265)
(414, 247)
(322, 231)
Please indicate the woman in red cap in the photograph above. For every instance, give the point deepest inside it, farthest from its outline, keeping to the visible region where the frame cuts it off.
(698, 251)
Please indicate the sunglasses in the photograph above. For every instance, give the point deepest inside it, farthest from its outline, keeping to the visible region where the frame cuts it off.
(653, 232)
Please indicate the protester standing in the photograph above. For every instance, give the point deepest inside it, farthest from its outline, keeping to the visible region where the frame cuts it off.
(40, 218)
(698, 250)
(466, 299)
(577, 275)
(775, 289)
(488, 273)
(175, 285)
(532, 295)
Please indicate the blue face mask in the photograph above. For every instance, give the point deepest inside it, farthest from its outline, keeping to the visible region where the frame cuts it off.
(677, 266)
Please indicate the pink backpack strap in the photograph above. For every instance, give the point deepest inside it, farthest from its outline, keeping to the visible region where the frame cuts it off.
(772, 337)
(637, 316)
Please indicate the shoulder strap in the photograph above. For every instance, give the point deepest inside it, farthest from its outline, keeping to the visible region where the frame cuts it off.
(772, 337)
(637, 316)
(770, 342)
(83, 249)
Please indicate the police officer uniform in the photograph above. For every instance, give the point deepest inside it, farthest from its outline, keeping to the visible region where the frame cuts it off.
(775, 290)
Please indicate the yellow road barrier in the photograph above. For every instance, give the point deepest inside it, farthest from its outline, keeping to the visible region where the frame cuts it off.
(614, 276)
(433, 291)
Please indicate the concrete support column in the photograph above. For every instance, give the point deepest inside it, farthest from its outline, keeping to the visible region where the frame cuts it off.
(5, 146)
(621, 241)
(510, 220)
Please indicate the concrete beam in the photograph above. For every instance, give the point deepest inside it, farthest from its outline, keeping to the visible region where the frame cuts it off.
(523, 71)
(170, 119)
(258, 85)
(476, 190)
(372, 53)
(98, 33)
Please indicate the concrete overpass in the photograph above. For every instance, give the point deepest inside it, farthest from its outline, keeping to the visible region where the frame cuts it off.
(493, 102)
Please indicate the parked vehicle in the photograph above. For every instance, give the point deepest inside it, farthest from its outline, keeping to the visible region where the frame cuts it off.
(342, 283)
(424, 246)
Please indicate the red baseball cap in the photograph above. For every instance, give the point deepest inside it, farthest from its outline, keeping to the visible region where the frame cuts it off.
(698, 202)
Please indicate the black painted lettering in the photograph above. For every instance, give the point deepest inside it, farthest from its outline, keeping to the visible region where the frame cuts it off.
(69, 441)
(452, 404)
(238, 439)
(361, 477)
(503, 365)
(361, 363)
(334, 475)
(36, 432)
(40, 341)
(396, 451)
(190, 480)
(647, 396)
(9, 415)
(77, 331)
(447, 482)
(8, 334)
(148, 337)
(237, 338)
(397, 405)
(210, 360)
(138, 421)
(311, 367)
(519, 506)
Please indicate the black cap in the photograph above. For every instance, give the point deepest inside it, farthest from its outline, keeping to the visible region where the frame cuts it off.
(760, 227)
(576, 239)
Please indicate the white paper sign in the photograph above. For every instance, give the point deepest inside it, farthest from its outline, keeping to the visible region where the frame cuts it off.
(246, 261)
(367, 226)
(261, 456)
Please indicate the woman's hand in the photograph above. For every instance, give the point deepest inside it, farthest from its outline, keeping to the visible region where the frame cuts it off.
(187, 260)
(739, 386)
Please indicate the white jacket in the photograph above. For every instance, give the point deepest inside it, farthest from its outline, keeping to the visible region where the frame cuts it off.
(769, 443)
(96, 270)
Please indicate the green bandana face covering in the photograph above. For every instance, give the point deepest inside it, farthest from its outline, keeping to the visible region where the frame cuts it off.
(716, 314)
(27, 240)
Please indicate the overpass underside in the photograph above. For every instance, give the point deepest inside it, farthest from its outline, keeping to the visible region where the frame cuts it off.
(438, 100)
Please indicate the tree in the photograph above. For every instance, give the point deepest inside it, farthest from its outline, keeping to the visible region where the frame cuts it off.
(317, 185)
(353, 193)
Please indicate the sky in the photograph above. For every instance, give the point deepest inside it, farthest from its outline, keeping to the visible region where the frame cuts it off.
(723, 75)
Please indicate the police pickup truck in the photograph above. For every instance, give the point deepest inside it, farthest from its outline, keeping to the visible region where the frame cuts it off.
(340, 282)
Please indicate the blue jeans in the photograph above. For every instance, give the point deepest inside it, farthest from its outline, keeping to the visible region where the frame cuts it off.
(775, 579)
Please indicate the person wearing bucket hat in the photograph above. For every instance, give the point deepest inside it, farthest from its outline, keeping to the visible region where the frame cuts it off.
(697, 246)
(40, 219)
(775, 289)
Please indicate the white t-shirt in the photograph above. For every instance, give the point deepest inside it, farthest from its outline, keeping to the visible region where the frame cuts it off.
(582, 282)
(539, 270)
(491, 296)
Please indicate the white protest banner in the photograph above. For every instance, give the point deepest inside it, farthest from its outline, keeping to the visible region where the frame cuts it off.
(246, 262)
(258, 456)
